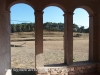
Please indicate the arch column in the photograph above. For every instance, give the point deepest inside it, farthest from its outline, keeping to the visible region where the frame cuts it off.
(68, 38)
(96, 24)
(38, 39)
(99, 37)
(91, 37)
(5, 53)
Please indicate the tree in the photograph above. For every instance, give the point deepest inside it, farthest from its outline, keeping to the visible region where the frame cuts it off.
(12, 28)
(75, 28)
(81, 29)
(86, 30)
(18, 28)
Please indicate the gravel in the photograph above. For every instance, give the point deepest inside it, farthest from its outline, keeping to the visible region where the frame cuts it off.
(24, 57)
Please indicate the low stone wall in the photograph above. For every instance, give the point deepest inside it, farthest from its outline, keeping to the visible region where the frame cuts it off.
(83, 69)
(68, 70)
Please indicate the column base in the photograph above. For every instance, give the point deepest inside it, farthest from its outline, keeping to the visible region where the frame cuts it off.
(39, 60)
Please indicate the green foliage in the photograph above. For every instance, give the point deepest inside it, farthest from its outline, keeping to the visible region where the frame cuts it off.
(81, 29)
(86, 30)
(49, 26)
(53, 26)
(75, 28)
(23, 27)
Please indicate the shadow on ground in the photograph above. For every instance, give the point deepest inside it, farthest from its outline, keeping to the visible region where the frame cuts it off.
(63, 64)
(55, 65)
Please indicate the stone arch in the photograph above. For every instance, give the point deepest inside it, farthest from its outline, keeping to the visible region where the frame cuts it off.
(30, 6)
(19, 1)
(90, 12)
(57, 5)
(61, 8)
(88, 9)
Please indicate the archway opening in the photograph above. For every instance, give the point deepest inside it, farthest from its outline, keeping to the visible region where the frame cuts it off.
(22, 36)
(80, 35)
(53, 35)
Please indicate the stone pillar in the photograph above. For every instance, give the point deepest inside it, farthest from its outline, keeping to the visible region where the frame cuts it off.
(91, 37)
(68, 38)
(5, 53)
(99, 37)
(38, 39)
(94, 56)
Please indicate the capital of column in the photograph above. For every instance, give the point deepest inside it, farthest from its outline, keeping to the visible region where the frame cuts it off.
(8, 11)
(68, 13)
(38, 12)
(92, 15)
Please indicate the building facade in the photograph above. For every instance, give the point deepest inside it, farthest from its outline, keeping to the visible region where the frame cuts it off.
(68, 6)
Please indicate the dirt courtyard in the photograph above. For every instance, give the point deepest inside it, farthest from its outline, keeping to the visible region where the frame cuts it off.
(23, 57)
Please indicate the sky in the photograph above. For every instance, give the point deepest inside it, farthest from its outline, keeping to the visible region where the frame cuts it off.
(24, 13)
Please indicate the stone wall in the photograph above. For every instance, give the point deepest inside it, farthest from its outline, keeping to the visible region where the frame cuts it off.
(83, 69)
(68, 70)
(5, 53)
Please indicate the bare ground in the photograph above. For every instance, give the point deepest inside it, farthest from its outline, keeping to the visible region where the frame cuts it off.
(23, 57)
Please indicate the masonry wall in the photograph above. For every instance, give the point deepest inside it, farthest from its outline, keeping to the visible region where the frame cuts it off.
(68, 70)
(5, 54)
(68, 6)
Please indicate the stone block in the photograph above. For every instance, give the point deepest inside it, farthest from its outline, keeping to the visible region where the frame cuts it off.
(71, 73)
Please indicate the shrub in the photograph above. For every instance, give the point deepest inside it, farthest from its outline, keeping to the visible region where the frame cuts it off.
(77, 35)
